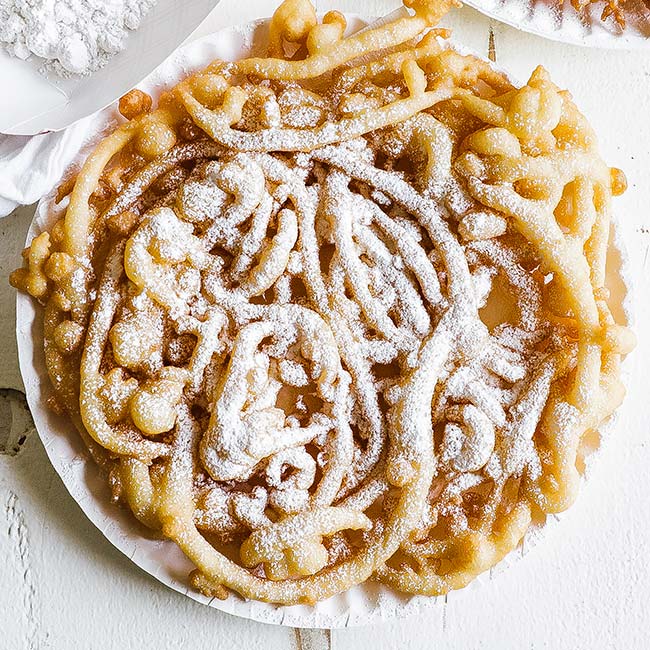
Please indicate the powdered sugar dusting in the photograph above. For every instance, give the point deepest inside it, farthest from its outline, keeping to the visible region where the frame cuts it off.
(412, 291)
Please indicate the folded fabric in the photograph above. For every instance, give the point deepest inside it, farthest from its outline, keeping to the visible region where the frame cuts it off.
(31, 166)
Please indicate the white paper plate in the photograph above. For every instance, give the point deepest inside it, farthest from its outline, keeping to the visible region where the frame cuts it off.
(559, 21)
(32, 103)
(361, 605)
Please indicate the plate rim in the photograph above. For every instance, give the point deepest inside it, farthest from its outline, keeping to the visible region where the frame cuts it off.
(622, 42)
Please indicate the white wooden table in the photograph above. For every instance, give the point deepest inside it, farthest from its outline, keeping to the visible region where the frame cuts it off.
(62, 585)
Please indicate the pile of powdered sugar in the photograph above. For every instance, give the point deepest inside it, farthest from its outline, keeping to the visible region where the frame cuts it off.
(75, 37)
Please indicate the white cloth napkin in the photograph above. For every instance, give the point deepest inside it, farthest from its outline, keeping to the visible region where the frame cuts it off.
(31, 166)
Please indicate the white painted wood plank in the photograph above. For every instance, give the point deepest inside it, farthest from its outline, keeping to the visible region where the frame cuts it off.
(13, 229)
(20, 615)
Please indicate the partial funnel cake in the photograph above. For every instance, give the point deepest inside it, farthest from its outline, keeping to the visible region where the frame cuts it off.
(339, 313)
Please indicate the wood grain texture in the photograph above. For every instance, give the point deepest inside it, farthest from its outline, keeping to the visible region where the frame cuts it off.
(313, 639)
(21, 607)
(64, 586)
(16, 422)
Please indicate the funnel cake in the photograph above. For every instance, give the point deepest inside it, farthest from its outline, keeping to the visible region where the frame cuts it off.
(339, 313)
